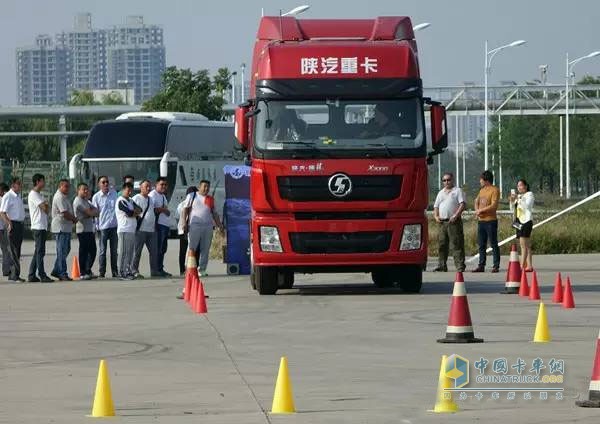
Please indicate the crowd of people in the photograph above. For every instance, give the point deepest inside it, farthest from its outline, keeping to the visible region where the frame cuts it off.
(449, 206)
(120, 222)
(126, 224)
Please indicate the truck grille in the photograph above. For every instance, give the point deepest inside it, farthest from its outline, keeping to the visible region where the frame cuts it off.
(335, 216)
(364, 187)
(359, 242)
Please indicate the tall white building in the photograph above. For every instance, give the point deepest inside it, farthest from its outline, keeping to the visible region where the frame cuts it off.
(88, 54)
(42, 73)
(136, 57)
(128, 56)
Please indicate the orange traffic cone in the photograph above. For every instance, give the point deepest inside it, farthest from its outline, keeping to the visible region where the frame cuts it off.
(557, 297)
(200, 304)
(190, 272)
(523, 287)
(460, 328)
(193, 292)
(568, 301)
(534, 291)
(594, 401)
(75, 273)
(513, 275)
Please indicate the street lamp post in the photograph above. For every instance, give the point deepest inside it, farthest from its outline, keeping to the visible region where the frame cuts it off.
(489, 56)
(296, 10)
(569, 69)
(421, 26)
(126, 84)
(243, 77)
(232, 83)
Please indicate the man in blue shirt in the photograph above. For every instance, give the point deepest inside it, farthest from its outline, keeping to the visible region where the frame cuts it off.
(105, 201)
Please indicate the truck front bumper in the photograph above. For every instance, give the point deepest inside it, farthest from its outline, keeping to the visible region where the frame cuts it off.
(339, 244)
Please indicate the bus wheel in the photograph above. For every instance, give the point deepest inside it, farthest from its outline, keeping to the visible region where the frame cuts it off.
(285, 279)
(265, 279)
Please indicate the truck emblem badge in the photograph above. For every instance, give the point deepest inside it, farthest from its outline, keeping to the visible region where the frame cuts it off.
(340, 185)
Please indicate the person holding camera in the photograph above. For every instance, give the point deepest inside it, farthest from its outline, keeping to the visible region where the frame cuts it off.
(521, 203)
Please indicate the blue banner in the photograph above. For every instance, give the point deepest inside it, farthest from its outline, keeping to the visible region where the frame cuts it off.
(237, 216)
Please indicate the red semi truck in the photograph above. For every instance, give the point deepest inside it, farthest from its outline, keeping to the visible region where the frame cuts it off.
(335, 134)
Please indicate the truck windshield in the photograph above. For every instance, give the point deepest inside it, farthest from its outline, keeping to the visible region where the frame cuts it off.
(331, 128)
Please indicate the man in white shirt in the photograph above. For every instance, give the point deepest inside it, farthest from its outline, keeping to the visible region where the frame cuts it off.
(199, 220)
(4, 237)
(145, 230)
(447, 210)
(126, 213)
(12, 213)
(38, 212)
(63, 218)
(104, 201)
(163, 223)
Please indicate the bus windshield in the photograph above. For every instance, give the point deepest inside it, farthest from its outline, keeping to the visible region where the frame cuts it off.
(126, 139)
(192, 142)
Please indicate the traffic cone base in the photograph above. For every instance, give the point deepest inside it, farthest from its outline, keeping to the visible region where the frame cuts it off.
(103, 404)
(594, 397)
(513, 275)
(542, 331)
(75, 272)
(459, 328)
(283, 399)
(444, 402)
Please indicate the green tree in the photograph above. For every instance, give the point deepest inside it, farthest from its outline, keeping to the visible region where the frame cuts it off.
(82, 98)
(113, 98)
(187, 91)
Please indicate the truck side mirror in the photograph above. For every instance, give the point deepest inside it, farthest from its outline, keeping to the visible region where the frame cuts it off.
(439, 128)
(241, 126)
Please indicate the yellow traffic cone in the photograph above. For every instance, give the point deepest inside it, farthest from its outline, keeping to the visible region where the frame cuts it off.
(542, 332)
(444, 402)
(283, 400)
(103, 403)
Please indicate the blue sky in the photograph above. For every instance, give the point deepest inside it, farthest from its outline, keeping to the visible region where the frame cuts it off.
(201, 34)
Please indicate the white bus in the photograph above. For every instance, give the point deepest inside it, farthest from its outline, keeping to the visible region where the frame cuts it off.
(183, 147)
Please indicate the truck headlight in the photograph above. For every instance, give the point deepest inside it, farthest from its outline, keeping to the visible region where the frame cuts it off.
(269, 240)
(411, 237)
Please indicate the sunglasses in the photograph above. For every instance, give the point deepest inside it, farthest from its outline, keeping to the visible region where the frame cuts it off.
(104, 182)
(447, 180)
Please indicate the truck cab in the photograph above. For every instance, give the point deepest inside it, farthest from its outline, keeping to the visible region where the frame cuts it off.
(336, 137)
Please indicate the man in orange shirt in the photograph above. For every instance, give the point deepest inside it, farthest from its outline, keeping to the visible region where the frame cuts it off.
(486, 205)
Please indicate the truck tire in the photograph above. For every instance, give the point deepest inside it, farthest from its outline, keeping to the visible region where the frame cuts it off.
(265, 279)
(285, 279)
(408, 277)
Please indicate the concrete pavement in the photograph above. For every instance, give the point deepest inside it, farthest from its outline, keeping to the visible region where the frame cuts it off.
(356, 354)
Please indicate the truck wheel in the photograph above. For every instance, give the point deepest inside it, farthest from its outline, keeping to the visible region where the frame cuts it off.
(285, 279)
(252, 281)
(412, 278)
(265, 279)
(408, 277)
